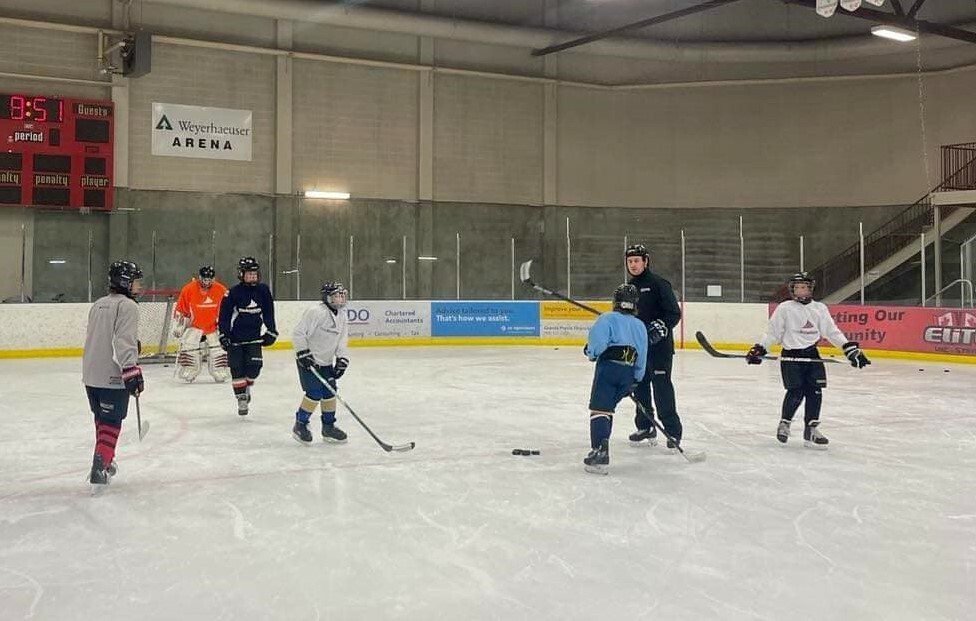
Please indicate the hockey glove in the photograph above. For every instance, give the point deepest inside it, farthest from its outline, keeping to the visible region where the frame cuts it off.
(756, 354)
(340, 366)
(225, 342)
(179, 329)
(656, 331)
(268, 339)
(132, 378)
(853, 352)
(305, 359)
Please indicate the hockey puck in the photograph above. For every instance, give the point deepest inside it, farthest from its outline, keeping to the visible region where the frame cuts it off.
(524, 452)
(945, 370)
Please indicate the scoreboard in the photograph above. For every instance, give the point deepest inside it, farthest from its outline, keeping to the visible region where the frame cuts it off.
(56, 152)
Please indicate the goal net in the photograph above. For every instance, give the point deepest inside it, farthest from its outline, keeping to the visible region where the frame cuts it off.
(156, 326)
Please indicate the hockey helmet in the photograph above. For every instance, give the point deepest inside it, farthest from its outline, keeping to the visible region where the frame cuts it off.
(334, 294)
(636, 250)
(207, 271)
(801, 278)
(248, 264)
(122, 275)
(625, 298)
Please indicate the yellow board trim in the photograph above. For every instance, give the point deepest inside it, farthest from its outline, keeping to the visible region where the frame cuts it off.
(465, 341)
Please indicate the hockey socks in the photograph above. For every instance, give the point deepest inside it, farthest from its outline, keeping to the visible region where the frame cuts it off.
(107, 435)
(601, 424)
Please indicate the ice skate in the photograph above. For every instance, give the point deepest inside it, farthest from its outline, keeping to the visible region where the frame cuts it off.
(99, 477)
(331, 433)
(783, 431)
(242, 401)
(812, 438)
(644, 437)
(301, 433)
(598, 461)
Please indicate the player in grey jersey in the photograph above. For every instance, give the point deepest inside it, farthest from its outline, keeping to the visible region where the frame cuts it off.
(799, 324)
(110, 368)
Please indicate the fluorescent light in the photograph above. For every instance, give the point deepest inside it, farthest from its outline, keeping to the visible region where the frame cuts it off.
(391, 260)
(894, 33)
(426, 258)
(340, 196)
(57, 261)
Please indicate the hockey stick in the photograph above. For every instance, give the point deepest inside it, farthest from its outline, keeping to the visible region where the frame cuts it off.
(143, 428)
(400, 448)
(693, 458)
(524, 274)
(719, 354)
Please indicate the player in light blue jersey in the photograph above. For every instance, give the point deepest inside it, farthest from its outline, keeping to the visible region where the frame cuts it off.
(618, 344)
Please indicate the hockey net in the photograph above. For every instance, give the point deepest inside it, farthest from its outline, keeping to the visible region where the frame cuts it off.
(156, 326)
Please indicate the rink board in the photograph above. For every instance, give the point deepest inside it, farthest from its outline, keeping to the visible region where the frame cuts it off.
(57, 330)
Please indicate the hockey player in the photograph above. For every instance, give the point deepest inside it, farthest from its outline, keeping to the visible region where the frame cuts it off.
(195, 319)
(618, 344)
(110, 369)
(799, 324)
(658, 309)
(245, 308)
(321, 342)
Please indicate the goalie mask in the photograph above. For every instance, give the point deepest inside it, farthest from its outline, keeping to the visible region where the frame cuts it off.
(207, 275)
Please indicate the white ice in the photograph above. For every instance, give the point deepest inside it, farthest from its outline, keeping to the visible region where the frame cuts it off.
(216, 517)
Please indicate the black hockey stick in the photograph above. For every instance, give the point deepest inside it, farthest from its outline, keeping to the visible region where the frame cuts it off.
(400, 448)
(720, 354)
(524, 273)
(694, 458)
(143, 427)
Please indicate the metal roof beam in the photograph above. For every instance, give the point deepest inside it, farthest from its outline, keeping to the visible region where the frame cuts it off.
(644, 23)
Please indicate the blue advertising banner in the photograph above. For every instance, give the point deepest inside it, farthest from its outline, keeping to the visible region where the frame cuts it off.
(484, 318)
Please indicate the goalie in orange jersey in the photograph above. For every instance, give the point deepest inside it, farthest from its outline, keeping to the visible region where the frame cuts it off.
(195, 324)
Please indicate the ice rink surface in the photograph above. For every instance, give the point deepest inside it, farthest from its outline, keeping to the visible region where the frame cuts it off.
(218, 517)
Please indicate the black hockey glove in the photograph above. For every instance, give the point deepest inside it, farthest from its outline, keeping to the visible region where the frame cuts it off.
(656, 331)
(852, 350)
(225, 342)
(132, 378)
(340, 366)
(305, 359)
(756, 354)
(268, 339)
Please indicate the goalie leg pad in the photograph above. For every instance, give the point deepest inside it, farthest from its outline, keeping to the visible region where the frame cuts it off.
(216, 359)
(188, 358)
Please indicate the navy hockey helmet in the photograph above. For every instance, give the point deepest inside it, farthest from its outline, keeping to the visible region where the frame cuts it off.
(334, 294)
(625, 298)
(801, 278)
(636, 250)
(248, 264)
(122, 275)
(207, 271)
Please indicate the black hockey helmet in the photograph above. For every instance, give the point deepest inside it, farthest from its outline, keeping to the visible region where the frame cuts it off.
(207, 271)
(334, 294)
(636, 250)
(248, 264)
(121, 275)
(801, 278)
(625, 298)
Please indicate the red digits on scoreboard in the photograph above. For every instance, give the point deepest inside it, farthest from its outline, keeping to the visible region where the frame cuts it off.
(40, 110)
(17, 107)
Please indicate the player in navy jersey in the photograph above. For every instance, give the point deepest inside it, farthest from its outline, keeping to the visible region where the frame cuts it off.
(246, 308)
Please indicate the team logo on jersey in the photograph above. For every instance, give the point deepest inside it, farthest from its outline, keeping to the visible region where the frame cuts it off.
(808, 325)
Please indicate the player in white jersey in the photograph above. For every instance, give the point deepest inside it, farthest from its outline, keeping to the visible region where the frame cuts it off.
(799, 324)
(321, 342)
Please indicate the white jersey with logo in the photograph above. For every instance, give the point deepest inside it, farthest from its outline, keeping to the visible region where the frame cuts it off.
(323, 332)
(798, 326)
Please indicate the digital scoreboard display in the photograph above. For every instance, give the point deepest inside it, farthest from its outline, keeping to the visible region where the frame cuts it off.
(56, 152)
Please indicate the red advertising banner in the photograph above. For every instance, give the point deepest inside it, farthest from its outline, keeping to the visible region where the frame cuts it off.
(907, 328)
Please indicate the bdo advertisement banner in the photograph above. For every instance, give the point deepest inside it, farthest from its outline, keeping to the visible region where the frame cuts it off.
(388, 320)
(484, 318)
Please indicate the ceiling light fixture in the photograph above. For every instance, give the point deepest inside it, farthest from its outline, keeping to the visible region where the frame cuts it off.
(341, 196)
(894, 33)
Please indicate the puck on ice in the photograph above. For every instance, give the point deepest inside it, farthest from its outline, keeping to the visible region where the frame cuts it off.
(524, 452)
